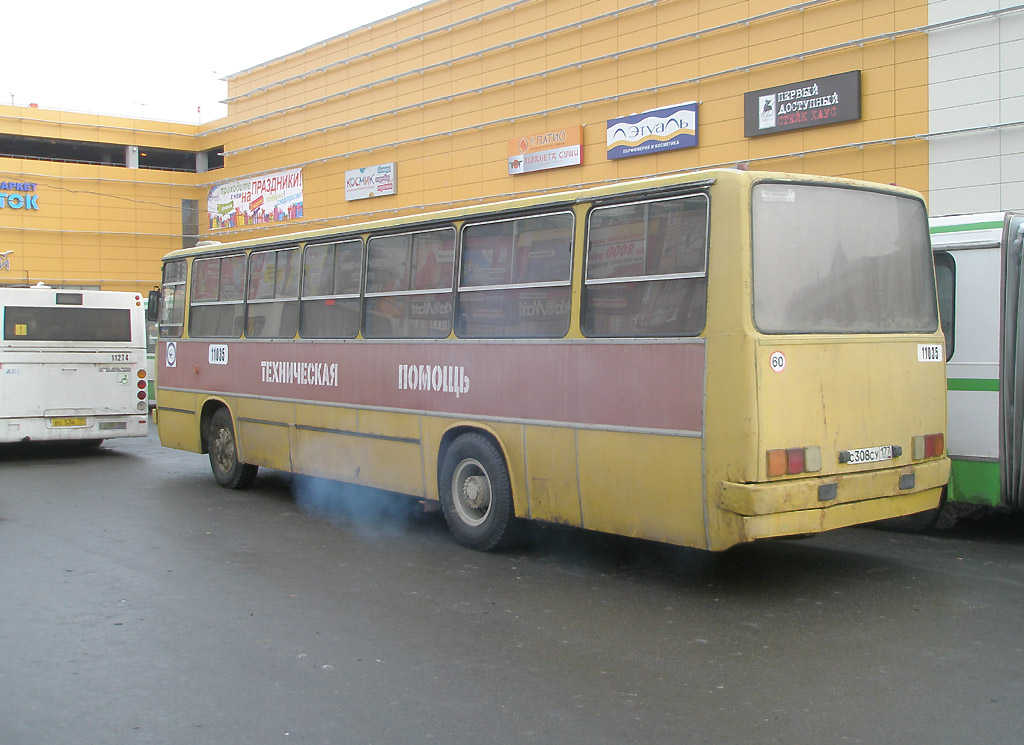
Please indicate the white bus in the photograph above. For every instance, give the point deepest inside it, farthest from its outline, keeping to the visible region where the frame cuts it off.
(72, 365)
(978, 269)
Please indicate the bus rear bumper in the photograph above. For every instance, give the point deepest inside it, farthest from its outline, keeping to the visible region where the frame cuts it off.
(794, 507)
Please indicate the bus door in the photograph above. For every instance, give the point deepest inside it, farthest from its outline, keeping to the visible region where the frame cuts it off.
(1011, 370)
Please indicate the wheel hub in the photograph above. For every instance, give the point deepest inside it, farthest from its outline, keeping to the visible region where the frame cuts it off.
(476, 492)
(223, 449)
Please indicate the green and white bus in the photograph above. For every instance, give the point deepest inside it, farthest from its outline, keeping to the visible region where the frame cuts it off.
(978, 270)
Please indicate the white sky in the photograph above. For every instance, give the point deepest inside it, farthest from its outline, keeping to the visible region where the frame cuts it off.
(153, 60)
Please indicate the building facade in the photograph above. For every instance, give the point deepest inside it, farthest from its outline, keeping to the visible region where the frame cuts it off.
(461, 101)
(976, 106)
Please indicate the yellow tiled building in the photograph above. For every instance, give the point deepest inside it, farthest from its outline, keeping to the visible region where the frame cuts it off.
(444, 91)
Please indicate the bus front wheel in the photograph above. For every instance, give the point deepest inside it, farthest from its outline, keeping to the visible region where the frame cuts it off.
(476, 493)
(228, 471)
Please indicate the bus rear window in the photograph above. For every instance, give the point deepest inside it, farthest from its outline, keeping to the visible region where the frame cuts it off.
(840, 260)
(67, 324)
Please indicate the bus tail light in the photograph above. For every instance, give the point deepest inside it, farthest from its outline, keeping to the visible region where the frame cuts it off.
(794, 460)
(928, 446)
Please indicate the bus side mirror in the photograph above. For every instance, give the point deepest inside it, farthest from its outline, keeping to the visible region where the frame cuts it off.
(153, 306)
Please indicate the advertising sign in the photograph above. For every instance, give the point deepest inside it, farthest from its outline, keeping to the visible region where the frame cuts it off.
(617, 251)
(272, 197)
(654, 131)
(374, 181)
(18, 195)
(809, 103)
(542, 152)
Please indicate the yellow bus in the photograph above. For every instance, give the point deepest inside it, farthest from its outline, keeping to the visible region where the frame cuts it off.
(702, 359)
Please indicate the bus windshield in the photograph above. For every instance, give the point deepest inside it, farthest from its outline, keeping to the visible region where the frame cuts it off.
(830, 259)
(67, 324)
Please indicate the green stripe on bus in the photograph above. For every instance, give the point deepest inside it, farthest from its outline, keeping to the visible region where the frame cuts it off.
(974, 482)
(965, 227)
(972, 384)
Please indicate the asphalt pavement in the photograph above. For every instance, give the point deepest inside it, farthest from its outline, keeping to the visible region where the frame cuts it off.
(142, 603)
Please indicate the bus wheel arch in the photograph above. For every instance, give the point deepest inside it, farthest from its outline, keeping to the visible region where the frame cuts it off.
(210, 407)
(475, 488)
(218, 440)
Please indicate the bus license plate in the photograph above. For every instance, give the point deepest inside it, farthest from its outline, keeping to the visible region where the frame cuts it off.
(68, 421)
(870, 455)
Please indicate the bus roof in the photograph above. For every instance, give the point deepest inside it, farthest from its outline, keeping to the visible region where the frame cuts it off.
(975, 230)
(569, 196)
(40, 294)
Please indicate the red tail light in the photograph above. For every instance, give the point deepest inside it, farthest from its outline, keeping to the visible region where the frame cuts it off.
(928, 446)
(794, 460)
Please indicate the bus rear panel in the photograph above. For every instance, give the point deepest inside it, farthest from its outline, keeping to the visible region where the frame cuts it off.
(844, 412)
(72, 365)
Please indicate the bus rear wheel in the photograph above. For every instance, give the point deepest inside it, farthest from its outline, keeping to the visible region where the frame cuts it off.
(228, 471)
(476, 493)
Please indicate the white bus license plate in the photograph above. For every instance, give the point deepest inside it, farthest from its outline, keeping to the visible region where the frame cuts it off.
(68, 421)
(870, 455)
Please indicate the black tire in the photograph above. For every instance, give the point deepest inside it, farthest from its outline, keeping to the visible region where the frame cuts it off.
(476, 494)
(224, 454)
(920, 522)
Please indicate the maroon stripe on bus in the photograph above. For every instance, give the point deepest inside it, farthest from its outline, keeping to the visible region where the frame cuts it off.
(656, 385)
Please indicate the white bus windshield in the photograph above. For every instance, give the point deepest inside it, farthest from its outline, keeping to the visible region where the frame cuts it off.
(840, 260)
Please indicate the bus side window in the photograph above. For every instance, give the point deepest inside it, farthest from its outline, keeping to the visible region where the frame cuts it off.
(171, 311)
(272, 307)
(331, 275)
(646, 269)
(945, 281)
(409, 285)
(217, 303)
(515, 278)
